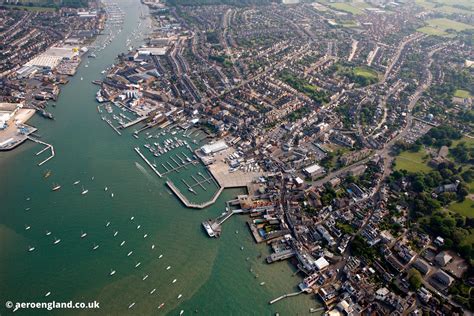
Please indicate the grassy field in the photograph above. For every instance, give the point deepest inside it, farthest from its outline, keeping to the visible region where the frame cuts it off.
(465, 208)
(28, 8)
(346, 7)
(366, 72)
(447, 24)
(462, 94)
(432, 31)
(447, 6)
(412, 162)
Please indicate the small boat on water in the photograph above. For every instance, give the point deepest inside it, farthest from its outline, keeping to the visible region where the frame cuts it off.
(47, 174)
(27, 227)
(28, 198)
(161, 305)
(129, 254)
(145, 236)
(48, 233)
(161, 256)
(95, 247)
(138, 264)
(30, 249)
(28, 208)
(122, 243)
(152, 246)
(174, 281)
(56, 241)
(56, 187)
(47, 294)
(105, 189)
(179, 296)
(145, 277)
(115, 233)
(181, 312)
(138, 227)
(76, 182)
(112, 195)
(132, 218)
(262, 283)
(168, 267)
(112, 272)
(152, 291)
(108, 224)
(84, 191)
(83, 234)
(131, 305)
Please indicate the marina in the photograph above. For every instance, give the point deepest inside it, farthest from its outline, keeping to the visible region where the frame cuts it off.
(73, 232)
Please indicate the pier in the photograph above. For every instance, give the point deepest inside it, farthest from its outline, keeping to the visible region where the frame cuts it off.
(147, 162)
(284, 296)
(186, 202)
(114, 128)
(213, 227)
(47, 146)
(131, 123)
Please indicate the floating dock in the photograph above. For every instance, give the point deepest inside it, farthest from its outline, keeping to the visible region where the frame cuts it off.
(186, 202)
(48, 146)
(147, 162)
(131, 123)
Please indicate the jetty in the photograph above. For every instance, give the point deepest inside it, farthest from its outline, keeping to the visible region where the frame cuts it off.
(47, 146)
(186, 202)
(114, 128)
(213, 227)
(284, 296)
(147, 162)
(131, 123)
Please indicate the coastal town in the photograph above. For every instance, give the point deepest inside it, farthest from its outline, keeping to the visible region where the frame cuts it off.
(347, 125)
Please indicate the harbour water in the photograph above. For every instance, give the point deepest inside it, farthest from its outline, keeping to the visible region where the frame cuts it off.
(214, 277)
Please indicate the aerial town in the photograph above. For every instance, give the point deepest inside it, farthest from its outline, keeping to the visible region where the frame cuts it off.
(348, 123)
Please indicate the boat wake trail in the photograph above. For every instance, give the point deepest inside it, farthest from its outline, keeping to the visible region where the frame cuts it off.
(144, 171)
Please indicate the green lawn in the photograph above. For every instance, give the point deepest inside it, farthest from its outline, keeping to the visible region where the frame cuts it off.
(346, 7)
(462, 94)
(465, 208)
(447, 24)
(412, 162)
(28, 8)
(432, 31)
(366, 72)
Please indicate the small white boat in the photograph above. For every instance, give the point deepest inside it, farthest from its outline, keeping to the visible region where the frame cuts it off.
(131, 305)
(179, 296)
(83, 234)
(112, 195)
(161, 305)
(181, 312)
(47, 294)
(145, 236)
(262, 283)
(28, 198)
(161, 256)
(138, 264)
(48, 233)
(132, 218)
(30, 249)
(56, 241)
(174, 281)
(145, 277)
(129, 254)
(95, 247)
(152, 246)
(27, 227)
(84, 191)
(27, 209)
(152, 291)
(115, 233)
(82, 78)
(105, 189)
(112, 272)
(77, 182)
(138, 227)
(168, 267)
(122, 243)
(108, 224)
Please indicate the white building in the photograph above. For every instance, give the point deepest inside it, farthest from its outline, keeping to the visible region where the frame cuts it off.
(214, 147)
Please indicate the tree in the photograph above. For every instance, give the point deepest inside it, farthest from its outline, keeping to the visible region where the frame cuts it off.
(415, 279)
